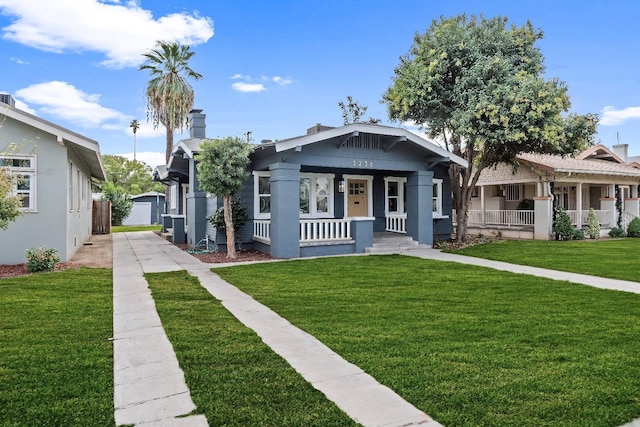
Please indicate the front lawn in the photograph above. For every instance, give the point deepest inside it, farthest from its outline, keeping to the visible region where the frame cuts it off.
(235, 379)
(612, 258)
(56, 359)
(469, 346)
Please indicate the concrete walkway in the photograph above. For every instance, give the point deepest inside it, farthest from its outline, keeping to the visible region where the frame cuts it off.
(149, 385)
(597, 282)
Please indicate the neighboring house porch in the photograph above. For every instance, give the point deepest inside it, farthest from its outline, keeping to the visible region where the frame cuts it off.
(520, 204)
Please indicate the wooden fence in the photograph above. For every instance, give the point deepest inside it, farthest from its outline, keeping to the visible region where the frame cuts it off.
(101, 218)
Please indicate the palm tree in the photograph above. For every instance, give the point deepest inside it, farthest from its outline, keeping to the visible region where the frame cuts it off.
(169, 95)
(134, 125)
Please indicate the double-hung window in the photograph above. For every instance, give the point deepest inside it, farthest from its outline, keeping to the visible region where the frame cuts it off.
(437, 198)
(23, 171)
(315, 195)
(512, 193)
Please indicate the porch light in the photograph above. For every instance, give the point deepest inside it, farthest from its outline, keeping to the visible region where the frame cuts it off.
(341, 186)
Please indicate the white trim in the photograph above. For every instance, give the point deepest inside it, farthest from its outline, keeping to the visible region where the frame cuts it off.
(31, 172)
(401, 184)
(437, 213)
(256, 195)
(185, 192)
(369, 179)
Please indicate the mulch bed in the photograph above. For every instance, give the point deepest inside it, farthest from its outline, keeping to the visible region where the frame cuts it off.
(221, 257)
(21, 269)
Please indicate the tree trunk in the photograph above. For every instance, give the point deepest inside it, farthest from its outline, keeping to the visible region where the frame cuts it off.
(228, 222)
(169, 147)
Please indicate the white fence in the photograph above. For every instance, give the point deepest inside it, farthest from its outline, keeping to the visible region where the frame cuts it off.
(311, 230)
(502, 217)
(396, 223)
(604, 217)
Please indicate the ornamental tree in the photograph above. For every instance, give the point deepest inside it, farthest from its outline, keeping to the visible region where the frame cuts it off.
(222, 170)
(478, 85)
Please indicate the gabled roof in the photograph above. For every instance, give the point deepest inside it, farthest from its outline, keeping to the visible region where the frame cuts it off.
(553, 163)
(87, 149)
(599, 152)
(148, 194)
(402, 136)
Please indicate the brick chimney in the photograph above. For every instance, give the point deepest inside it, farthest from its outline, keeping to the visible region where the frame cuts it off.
(197, 124)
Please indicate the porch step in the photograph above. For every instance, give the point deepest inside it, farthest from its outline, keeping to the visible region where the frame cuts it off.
(390, 243)
(168, 235)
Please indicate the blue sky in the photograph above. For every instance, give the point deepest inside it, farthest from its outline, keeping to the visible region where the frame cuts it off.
(276, 68)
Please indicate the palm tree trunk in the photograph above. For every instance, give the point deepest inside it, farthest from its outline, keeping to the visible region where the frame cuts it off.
(169, 148)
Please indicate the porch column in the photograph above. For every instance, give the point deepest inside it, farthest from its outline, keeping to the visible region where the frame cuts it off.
(285, 210)
(420, 206)
(482, 207)
(196, 217)
(579, 205)
(543, 217)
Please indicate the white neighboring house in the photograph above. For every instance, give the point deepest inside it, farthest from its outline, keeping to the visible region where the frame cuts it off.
(57, 167)
(520, 204)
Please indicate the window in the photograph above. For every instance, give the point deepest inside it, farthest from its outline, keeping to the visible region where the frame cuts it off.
(437, 198)
(315, 195)
(173, 196)
(23, 170)
(512, 193)
(79, 189)
(394, 195)
(71, 198)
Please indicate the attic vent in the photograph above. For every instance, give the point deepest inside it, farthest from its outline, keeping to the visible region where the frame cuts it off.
(7, 99)
(366, 141)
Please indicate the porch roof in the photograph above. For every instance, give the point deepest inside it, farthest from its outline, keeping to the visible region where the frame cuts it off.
(395, 136)
(552, 163)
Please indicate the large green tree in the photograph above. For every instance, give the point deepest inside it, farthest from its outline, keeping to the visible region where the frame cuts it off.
(479, 86)
(222, 169)
(131, 176)
(169, 95)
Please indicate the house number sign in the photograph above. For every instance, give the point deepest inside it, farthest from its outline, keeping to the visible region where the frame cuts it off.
(362, 163)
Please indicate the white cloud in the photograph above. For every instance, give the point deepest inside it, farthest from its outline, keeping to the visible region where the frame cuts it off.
(248, 87)
(64, 101)
(122, 31)
(282, 81)
(151, 158)
(611, 116)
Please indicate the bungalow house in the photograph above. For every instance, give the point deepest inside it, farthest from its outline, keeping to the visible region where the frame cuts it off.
(330, 191)
(519, 204)
(56, 167)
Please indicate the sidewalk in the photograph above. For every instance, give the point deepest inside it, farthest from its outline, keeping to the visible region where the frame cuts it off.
(149, 385)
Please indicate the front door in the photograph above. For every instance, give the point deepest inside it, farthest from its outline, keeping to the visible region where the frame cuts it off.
(357, 198)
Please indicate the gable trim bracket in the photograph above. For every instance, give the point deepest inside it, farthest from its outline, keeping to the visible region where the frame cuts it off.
(348, 137)
(402, 138)
(432, 161)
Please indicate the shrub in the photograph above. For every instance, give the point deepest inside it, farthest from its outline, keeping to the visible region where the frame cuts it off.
(593, 225)
(617, 232)
(578, 234)
(42, 259)
(563, 228)
(238, 216)
(634, 228)
(121, 203)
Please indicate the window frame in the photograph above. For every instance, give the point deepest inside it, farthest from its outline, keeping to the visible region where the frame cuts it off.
(313, 195)
(510, 191)
(26, 171)
(437, 211)
(401, 181)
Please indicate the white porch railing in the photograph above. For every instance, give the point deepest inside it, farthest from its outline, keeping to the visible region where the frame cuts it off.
(324, 230)
(604, 217)
(396, 223)
(262, 230)
(627, 217)
(501, 217)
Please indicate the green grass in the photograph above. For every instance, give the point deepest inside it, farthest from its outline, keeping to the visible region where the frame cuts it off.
(129, 228)
(612, 258)
(56, 360)
(235, 379)
(469, 346)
